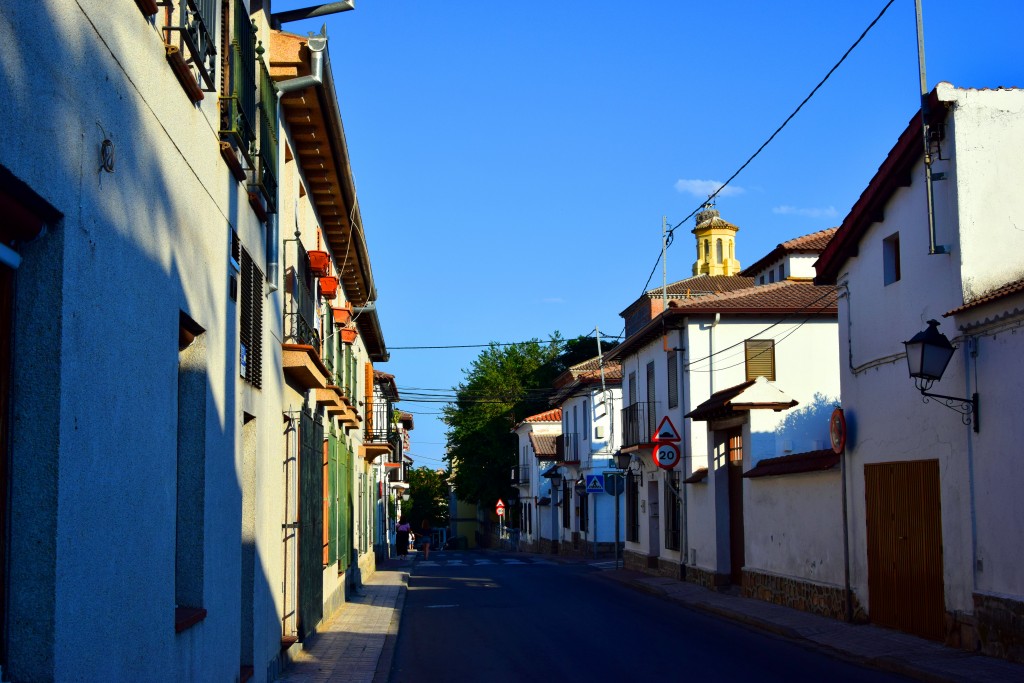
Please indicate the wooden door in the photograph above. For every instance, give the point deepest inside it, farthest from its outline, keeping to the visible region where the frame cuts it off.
(904, 544)
(734, 439)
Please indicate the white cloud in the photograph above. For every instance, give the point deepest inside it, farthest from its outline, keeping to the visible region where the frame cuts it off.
(809, 212)
(703, 188)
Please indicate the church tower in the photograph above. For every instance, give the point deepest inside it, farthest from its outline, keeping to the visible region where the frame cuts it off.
(716, 244)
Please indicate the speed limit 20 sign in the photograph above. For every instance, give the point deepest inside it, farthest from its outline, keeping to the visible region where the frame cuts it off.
(666, 455)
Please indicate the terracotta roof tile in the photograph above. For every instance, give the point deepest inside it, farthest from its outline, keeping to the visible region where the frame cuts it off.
(814, 243)
(547, 416)
(994, 295)
(543, 445)
(705, 284)
(785, 296)
(814, 461)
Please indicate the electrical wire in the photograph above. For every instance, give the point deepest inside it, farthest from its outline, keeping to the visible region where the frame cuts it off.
(778, 130)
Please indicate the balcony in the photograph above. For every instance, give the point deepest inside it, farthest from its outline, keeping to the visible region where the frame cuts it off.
(238, 103)
(521, 475)
(191, 45)
(379, 434)
(568, 448)
(636, 424)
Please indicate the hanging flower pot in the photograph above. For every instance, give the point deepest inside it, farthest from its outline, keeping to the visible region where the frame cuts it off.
(319, 262)
(329, 287)
(342, 314)
(348, 334)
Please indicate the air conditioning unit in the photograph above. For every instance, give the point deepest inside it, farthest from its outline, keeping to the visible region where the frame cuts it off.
(599, 432)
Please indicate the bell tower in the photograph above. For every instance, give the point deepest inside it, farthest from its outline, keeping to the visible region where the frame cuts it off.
(716, 244)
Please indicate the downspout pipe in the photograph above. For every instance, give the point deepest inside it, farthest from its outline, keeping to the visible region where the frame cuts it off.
(317, 47)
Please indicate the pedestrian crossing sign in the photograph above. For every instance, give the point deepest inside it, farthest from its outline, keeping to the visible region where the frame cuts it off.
(595, 483)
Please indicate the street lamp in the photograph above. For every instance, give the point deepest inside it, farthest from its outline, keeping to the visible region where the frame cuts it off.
(622, 460)
(928, 354)
(405, 496)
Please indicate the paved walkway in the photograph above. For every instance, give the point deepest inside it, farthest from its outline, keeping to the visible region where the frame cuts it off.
(358, 642)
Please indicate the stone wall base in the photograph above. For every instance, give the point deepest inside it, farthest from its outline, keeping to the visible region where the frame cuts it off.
(548, 547)
(705, 577)
(998, 625)
(806, 596)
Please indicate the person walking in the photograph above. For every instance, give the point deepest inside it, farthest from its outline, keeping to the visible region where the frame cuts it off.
(402, 532)
(425, 531)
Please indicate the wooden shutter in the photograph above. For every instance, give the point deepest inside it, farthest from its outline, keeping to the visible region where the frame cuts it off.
(760, 358)
(673, 380)
(251, 320)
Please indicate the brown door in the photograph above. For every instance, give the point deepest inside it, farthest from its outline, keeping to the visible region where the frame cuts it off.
(736, 556)
(904, 539)
(6, 306)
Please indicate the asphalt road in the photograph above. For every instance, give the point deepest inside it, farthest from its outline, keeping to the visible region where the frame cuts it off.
(490, 617)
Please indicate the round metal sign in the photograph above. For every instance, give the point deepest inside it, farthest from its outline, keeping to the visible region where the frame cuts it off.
(837, 430)
(666, 455)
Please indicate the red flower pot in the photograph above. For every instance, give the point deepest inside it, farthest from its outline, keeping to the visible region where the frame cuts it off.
(319, 262)
(342, 315)
(348, 334)
(329, 287)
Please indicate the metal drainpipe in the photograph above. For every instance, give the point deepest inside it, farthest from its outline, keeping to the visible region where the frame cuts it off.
(317, 45)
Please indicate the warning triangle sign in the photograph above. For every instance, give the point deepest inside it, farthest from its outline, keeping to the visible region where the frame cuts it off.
(667, 432)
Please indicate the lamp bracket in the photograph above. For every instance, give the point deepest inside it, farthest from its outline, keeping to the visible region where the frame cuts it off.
(967, 407)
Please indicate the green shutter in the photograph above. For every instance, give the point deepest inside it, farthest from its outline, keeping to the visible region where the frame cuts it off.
(332, 497)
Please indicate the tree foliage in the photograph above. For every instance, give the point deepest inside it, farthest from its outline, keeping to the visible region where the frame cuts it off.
(504, 385)
(428, 498)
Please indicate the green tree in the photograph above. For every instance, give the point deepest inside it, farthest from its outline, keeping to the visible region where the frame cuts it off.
(504, 385)
(428, 498)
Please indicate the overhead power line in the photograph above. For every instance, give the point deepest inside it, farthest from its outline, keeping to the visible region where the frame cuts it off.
(771, 137)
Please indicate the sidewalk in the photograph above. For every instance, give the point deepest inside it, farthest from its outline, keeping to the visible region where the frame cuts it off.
(864, 644)
(357, 642)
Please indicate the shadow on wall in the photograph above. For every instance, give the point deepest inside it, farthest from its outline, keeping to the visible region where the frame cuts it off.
(806, 429)
(151, 218)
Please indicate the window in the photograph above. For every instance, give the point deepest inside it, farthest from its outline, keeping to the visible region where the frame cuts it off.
(771, 276)
(719, 251)
(190, 508)
(586, 420)
(633, 508)
(250, 327)
(566, 503)
(632, 388)
(652, 414)
(760, 358)
(584, 511)
(891, 258)
(782, 272)
(673, 380)
(761, 281)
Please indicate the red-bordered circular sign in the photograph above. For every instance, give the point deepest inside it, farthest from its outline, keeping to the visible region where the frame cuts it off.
(666, 455)
(837, 430)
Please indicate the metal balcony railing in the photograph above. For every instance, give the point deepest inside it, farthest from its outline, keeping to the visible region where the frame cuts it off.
(266, 171)
(521, 475)
(193, 24)
(567, 447)
(299, 309)
(238, 102)
(380, 428)
(636, 424)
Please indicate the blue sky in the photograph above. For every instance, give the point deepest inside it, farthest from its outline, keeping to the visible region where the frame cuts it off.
(513, 161)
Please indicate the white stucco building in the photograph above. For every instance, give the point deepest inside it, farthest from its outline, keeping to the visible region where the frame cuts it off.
(590, 397)
(725, 363)
(199, 375)
(535, 449)
(927, 492)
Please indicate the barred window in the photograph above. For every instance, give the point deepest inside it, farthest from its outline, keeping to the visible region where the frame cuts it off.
(673, 380)
(760, 358)
(251, 321)
(633, 508)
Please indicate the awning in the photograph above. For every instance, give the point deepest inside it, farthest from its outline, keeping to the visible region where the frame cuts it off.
(755, 394)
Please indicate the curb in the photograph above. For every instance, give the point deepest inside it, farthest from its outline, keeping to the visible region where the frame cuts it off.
(387, 654)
